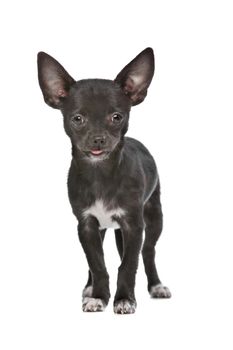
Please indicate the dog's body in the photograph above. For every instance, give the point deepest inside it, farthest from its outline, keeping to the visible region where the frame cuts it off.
(113, 181)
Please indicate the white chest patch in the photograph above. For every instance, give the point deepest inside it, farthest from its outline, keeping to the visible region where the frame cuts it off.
(103, 215)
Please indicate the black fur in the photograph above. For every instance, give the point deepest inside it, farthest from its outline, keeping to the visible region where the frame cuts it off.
(107, 165)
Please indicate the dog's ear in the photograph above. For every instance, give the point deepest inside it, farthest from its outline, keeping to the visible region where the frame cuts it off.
(54, 81)
(136, 77)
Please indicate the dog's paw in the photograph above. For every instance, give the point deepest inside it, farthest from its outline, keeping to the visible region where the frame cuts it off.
(124, 306)
(93, 304)
(160, 291)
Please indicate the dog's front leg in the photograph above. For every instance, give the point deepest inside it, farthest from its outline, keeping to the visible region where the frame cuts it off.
(89, 235)
(125, 302)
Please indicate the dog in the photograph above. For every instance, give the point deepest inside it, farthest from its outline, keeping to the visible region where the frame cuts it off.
(113, 180)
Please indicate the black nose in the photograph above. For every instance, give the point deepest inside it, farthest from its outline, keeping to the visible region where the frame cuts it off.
(98, 141)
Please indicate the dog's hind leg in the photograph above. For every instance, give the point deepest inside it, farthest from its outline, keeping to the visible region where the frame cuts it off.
(153, 218)
(119, 242)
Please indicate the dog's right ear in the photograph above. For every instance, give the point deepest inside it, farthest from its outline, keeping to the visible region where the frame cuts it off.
(54, 81)
(136, 77)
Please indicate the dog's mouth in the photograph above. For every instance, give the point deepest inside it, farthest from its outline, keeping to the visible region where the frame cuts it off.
(96, 152)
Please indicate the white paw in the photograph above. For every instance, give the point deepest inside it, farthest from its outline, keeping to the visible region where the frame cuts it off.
(93, 304)
(160, 291)
(124, 306)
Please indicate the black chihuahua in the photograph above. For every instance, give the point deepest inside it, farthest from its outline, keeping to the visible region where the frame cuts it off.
(113, 180)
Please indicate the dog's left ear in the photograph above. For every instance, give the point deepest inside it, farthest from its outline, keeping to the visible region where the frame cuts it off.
(136, 77)
(54, 80)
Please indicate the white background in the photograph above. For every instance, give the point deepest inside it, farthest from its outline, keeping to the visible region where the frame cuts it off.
(186, 122)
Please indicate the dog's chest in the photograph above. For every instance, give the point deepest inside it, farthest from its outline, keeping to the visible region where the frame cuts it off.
(105, 217)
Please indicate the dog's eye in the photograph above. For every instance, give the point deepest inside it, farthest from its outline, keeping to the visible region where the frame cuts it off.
(78, 119)
(117, 118)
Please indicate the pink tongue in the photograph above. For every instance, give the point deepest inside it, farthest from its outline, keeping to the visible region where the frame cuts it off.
(96, 152)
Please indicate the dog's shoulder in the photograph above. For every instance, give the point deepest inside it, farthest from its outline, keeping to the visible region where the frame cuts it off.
(134, 146)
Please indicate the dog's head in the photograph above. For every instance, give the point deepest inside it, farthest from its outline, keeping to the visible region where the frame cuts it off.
(96, 111)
